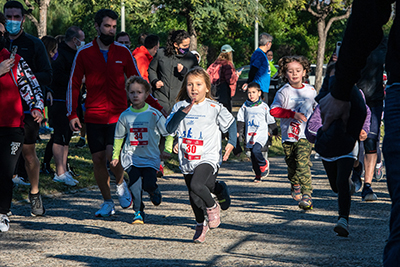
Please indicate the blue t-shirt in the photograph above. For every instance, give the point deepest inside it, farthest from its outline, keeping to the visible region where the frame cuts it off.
(263, 76)
(105, 54)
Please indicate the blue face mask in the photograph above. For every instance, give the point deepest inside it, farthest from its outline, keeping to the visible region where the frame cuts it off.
(13, 26)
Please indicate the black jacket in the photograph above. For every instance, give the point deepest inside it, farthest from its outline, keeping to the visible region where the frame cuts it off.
(165, 69)
(363, 34)
(62, 70)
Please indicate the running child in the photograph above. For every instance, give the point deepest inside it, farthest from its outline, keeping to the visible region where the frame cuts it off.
(198, 121)
(254, 116)
(294, 104)
(141, 126)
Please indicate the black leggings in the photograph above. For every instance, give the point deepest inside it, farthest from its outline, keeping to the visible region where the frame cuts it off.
(11, 141)
(199, 185)
(339, 178)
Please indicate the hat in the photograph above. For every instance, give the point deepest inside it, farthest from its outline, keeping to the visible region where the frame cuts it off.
(226, 48)
(338, 139)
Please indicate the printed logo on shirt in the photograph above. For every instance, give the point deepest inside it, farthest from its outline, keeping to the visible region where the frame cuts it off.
(14, 147)
(118, 61)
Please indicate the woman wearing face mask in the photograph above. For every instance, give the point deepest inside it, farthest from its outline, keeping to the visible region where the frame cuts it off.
(169, 66)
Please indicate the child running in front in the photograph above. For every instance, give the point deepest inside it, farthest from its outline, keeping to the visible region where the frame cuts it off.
(294, 104)
(198, 121)
(141, 126)
(254, 116)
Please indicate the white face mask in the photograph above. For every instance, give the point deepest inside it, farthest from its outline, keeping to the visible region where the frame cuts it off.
(80, 46)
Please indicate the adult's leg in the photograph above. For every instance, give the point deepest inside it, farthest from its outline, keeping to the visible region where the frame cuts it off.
(344, 167)
(391, 152)
(331, 171)
(48, 153)
(60, 157)
(32, 166)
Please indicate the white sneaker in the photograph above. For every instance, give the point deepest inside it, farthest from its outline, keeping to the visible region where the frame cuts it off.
(106, 209)
(71, 177)
(17, 180)
(4, 223)
(64, 178)
(124, 195)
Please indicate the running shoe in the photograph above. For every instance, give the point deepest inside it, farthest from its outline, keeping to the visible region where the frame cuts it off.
(257, 179)
(64, 178)
(81, 143)
(4, 223)
(70, 176)
(265, 169)
(296, 192)
(368, 194)
(156, 197)
(18, 180)
(224, 198)
(37, 208)
(160, 172)
(137, 218)
(72, 171)
(106, 209)
(200, 234)
(124, 195)
(306, 203)
(342, 227)
(379, 171)
(213, 214)
(46, 169)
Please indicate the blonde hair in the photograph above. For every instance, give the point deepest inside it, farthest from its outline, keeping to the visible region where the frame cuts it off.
(139, 80)
(283, 66)
(199, 72)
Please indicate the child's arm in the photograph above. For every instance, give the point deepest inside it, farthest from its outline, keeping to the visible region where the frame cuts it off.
(231, 142)
(240, 122)
(120, 133)
(175, 118)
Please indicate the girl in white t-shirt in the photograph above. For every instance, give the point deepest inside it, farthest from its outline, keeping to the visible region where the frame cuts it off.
(198, 121)
(254, 116)
(141, 126)
(294, 104)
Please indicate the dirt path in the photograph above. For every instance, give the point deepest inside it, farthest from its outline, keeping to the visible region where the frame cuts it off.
(263, 227)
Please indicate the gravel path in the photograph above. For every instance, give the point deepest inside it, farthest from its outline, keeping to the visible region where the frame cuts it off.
(263, 227)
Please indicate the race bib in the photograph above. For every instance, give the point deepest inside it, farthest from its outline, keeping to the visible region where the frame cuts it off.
(139, 137)
(193, 148)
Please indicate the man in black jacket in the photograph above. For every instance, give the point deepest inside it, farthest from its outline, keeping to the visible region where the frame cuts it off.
(363, 34)
(34, 53)
(74, 39)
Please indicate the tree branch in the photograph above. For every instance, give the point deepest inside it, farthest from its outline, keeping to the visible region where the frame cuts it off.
(310, 10)
(332, 20)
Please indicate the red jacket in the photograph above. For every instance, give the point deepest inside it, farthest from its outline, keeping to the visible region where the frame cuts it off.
(105, 82)
(223, 71)
(143, 59)
(15, 85)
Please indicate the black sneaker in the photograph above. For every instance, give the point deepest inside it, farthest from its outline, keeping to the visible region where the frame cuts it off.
(224, 199)
(81, 143)
(367, 194)
(156, 197)
(37, 208)
(46, 169)
(356, 177)
(72, 171)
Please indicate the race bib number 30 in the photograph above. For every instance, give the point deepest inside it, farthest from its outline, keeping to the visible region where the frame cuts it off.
(139, 137)
(192, 148)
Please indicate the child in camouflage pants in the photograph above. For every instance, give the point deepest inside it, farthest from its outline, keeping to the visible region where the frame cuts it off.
(294, 104)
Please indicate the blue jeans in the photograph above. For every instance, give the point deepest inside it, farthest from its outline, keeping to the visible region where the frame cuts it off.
(391, 152)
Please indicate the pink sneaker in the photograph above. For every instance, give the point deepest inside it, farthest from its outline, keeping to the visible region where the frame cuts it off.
(214, 218)
(200, 234)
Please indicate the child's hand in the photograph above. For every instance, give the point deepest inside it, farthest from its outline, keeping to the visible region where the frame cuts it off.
(165, 155)
(363, 135)
(176, 148)
(300, 117)
(114, 162)
(237, 135)
(188, 108)
(228, 150)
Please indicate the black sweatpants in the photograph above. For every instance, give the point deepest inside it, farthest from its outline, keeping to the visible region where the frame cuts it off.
(11, 141)
(199, 185)
(338, 173)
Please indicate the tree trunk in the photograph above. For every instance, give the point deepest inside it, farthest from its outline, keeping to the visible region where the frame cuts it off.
(43, 5)
(320, 54)
(192, 32)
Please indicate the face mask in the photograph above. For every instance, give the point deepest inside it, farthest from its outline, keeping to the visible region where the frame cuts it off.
(55, 56)
(13, 26)
(106, 39)
(183, 51)
(80, 46)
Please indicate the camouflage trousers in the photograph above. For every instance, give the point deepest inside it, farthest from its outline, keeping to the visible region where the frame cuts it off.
(297, 157)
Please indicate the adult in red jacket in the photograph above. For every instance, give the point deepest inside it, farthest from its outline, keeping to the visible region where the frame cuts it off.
(104, 64)
(16, 83)
(145, 53)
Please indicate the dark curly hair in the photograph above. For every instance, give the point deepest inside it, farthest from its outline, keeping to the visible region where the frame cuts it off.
(175, 37)
(283, 63)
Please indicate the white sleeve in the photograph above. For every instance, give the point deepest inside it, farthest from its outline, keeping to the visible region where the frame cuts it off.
(240, 114)
(121, 128)
(224, 119)
(279, 100)
(268, 118)
(161, 125)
